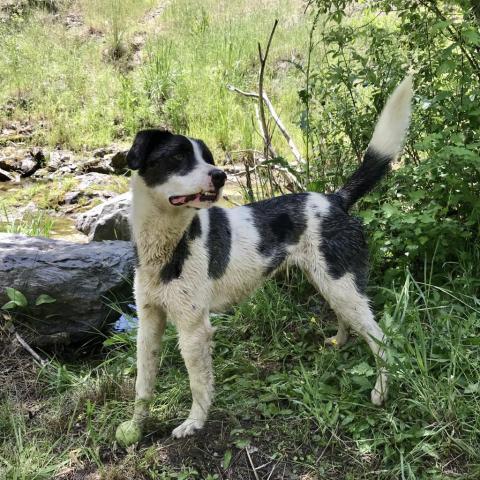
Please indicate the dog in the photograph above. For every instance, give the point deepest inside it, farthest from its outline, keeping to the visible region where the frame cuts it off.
(194, 257)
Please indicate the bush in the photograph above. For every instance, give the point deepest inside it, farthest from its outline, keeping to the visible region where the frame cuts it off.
(428, 211)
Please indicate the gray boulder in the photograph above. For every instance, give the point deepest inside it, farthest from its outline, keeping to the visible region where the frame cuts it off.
(107, 160)
(107, 221)
(21, 161)
(82, 278)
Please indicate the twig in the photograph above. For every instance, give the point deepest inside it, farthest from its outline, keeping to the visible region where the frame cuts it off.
(30, 350)
(252, 465)
(263, 62)
(264, 134)
(279, 168)
(275, 116)
(273, 469)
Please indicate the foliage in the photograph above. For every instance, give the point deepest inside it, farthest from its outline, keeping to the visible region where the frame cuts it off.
(429, 210)
(18, 299)
(90, 85)
(32, 224)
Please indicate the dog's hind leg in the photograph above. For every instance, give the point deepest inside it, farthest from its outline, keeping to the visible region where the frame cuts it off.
(195, 342)
(353, 311)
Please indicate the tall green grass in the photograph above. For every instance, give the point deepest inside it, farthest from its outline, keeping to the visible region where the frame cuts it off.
(86, 98)
(34, 224)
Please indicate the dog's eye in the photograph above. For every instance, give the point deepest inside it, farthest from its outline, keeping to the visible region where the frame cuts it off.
(177, 158)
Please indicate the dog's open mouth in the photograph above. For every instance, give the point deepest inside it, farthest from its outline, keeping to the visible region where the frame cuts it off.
(178, 200)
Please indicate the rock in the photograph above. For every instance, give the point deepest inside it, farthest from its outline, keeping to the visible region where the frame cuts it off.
(106, 160)
(6, 176)
(72, 197)
(97, 164)
(89, 181)
(61, 159)
(42, 173)
(107, 221)
(28, 166)
(119, 161)
(8, 163)
(25, 162)
(78, 276)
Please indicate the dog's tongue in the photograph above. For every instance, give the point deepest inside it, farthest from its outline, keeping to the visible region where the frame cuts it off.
(181, 199)
(178, 200)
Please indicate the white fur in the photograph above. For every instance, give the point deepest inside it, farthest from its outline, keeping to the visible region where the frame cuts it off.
(392, 126)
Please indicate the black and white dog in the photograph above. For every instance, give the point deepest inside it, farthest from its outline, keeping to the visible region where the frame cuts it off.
(194, 257)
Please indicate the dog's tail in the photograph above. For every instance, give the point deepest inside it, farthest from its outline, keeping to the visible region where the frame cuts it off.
(385, 145)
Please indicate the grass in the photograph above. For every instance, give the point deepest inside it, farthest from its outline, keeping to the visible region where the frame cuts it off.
(36, 224)
(294, 404)
(178, 81)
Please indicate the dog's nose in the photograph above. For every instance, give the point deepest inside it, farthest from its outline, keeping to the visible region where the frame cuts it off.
(218, 178)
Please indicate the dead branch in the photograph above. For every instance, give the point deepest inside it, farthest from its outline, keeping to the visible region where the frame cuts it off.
(261, 109)
(264, 134)
(296, 153)
(252, 465)
(30, 350)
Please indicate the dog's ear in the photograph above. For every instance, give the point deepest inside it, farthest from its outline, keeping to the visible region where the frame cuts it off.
(145, 141)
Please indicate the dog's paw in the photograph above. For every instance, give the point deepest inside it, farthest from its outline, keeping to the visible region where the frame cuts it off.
(378, 398)
(188, 427)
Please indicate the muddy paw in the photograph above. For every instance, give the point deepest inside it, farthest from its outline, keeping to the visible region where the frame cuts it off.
(188, 427)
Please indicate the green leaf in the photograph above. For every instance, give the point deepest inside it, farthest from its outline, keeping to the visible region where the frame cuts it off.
(472, 388)
(17, 297)
(227, 458)
(9, 305)
(363, 368)
(44, 298)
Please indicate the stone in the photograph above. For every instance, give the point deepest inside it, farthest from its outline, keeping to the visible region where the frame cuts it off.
(72, 197)
(28, 166)
(80, 277)
(24, 162)
(59, 159)
(6, 176)
(89, 180)
(119, 161)
(96, 164)
(106, 160)
(8, 163)
(107, 221)
(42, 173)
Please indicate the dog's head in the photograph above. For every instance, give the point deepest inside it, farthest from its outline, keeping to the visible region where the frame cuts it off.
(180, 170)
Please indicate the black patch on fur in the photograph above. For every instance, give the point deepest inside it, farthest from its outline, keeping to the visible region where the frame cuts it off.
(343, 245)
(219, 242)
(158, 154)
(374, 167)
(206, 153)
(280, 222)
(173, 268)
(195, 229)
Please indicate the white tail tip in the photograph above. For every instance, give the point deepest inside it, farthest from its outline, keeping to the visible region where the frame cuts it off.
(392, 126)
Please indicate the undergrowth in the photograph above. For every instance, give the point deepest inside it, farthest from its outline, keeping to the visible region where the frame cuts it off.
(280, 394)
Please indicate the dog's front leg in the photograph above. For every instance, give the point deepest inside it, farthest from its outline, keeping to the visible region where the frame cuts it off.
(152, 321)
(195, 342)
